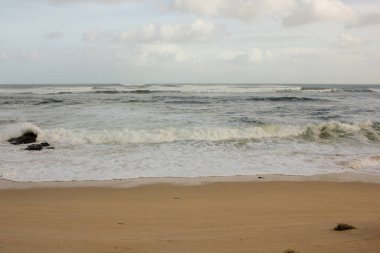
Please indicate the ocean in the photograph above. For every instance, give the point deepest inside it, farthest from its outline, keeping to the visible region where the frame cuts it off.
(103, 132)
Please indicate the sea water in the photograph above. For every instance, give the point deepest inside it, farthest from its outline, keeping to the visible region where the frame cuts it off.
(189, 130)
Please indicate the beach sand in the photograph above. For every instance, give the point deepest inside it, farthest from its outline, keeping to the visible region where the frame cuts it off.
(216, 217)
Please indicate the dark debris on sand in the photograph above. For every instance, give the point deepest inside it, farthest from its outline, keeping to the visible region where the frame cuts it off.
(290, 251)
(344, 226)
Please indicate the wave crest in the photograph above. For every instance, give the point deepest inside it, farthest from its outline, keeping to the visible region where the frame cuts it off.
(163, 135)
(332, 131)
(362, 131)
(13, 131)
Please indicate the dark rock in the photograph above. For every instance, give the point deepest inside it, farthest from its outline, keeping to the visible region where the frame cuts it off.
(26, 138)
(343, 226)
(290, 251)
(34, 147)
(50, 148)
(45, 144)
(260, 177)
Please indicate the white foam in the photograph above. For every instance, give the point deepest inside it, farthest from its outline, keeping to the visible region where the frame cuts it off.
(321, 90)
(365, 163)
(175, 159)
(163, 135)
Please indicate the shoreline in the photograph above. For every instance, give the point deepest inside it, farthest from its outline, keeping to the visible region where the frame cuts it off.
(344, 177)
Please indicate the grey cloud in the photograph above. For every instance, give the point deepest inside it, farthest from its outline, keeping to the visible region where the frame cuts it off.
(365, 20)
(319, 10)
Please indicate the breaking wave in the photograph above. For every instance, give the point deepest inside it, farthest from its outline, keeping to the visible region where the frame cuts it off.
(321, 90)
(328, 132)
(362, 131)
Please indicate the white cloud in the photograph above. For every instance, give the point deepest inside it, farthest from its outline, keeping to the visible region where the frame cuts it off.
(246, 10)
(291, 12)
(153, 44)
(310, 11)
(53, 35)
(199, 30)
(210, 7)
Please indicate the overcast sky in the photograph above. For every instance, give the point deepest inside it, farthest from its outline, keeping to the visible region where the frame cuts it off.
(188, 41)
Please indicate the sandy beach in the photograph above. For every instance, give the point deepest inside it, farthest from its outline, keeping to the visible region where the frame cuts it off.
(252, 216)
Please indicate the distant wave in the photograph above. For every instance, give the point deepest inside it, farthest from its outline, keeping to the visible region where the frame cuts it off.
(332, 131)
(175, 88)
(284, 99)
(49, 101)
(222, 88)
(120, 91)
(146, 89)
(36, 101)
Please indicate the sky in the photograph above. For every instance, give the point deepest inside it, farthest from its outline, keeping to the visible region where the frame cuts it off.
(190, 41)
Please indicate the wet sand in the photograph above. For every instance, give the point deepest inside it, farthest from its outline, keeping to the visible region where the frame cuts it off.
(215, 217)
